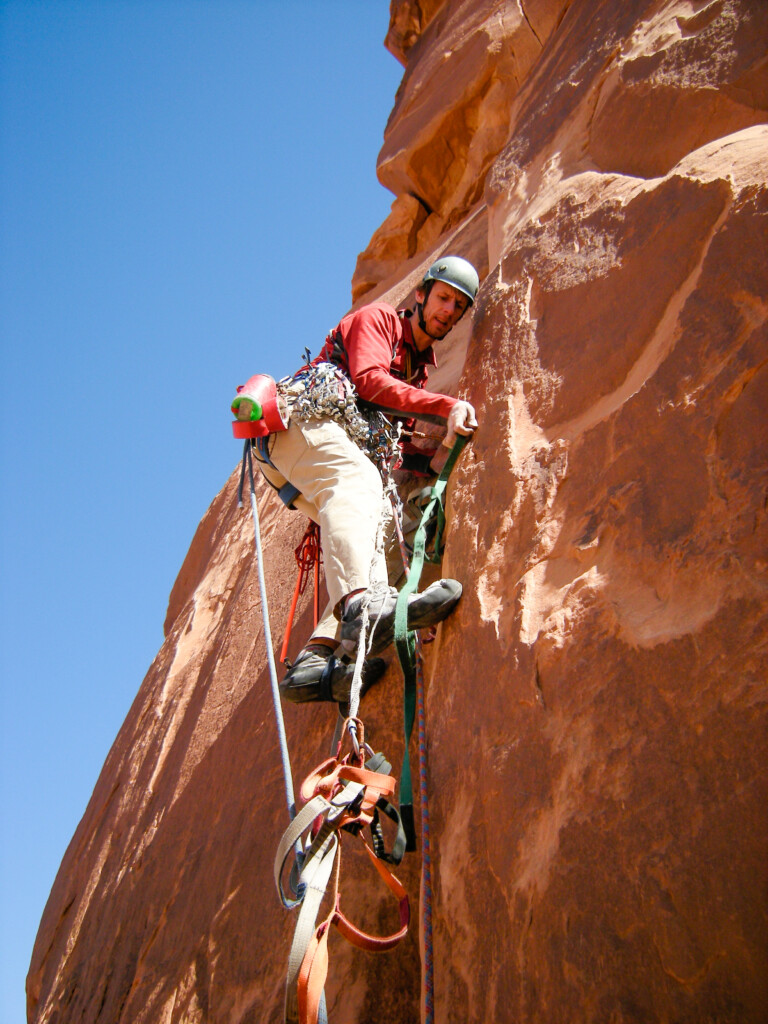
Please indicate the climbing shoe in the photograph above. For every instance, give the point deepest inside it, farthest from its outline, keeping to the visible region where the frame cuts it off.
(321, 676)
(425, 609)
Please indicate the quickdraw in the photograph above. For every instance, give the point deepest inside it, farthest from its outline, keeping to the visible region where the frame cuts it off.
(341, 794)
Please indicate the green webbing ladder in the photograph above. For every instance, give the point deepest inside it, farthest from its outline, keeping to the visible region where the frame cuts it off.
(405, 639)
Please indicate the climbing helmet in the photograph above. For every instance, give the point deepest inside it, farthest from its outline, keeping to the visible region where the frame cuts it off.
(457, 272)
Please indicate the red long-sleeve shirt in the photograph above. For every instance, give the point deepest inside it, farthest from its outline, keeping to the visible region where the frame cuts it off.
(374, 346)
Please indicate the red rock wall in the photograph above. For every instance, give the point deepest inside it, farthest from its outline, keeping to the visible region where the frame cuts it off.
(596, 705)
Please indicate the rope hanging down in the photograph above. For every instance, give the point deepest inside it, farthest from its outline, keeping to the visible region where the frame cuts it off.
(284, 756)
(305, 879)
(308, 558)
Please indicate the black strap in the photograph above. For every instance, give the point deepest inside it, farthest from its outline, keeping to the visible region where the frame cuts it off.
(416, 462)
(399, 844)
(379, 763)
(262, 443)
(287, 493)
(325, 689)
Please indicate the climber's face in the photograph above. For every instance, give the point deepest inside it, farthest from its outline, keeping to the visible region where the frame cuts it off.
(444, 307)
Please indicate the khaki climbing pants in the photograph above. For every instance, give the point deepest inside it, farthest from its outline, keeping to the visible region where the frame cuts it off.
(341, 491)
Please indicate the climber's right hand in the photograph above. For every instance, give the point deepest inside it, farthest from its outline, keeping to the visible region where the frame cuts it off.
(461, 420)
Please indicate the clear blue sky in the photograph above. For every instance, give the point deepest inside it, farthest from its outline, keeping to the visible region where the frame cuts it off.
(184, 188)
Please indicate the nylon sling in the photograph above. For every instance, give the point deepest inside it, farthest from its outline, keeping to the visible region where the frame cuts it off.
(341, 793)
(405, 639)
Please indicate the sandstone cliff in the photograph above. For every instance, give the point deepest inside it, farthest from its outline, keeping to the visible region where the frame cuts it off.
(597, 705)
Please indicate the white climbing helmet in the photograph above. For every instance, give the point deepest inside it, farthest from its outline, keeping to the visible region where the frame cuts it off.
(457, 272)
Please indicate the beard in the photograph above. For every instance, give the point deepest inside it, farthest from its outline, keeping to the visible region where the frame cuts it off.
(440, 333)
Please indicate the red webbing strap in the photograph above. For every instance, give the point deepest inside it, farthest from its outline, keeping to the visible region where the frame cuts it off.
(314, 967)
(328, 778)
(325, 774)
(314, 971)
(377, 943)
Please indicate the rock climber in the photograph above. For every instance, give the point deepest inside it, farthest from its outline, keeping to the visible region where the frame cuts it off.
(385, 354)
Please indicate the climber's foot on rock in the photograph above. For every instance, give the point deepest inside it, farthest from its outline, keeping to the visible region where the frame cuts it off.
(426, 609)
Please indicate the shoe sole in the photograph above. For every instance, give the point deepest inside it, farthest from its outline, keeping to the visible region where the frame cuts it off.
(305, 688)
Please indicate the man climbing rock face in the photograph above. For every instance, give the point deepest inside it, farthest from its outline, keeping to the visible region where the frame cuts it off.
(385, 354)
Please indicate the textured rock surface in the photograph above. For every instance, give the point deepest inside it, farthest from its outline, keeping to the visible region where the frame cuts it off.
(597, 704)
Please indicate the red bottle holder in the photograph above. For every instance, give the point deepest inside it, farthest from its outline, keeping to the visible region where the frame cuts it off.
(262, 391)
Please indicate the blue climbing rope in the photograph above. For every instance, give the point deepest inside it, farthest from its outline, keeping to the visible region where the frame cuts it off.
(284, 756)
